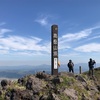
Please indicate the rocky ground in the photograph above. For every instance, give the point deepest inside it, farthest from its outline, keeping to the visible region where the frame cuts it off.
(42, 86)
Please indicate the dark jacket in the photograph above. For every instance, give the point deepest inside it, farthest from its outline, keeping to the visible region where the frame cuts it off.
(70, 65)
(91, 64)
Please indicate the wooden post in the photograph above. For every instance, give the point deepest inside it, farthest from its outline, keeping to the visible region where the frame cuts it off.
(80, 69)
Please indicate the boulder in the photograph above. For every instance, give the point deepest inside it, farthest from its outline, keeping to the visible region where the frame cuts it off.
(93, 88)
(8, 95)
(44, 97)
(4, 83)
(84, 97)
(71, 93)
(53, 96)
(35, 84)
(98, 98)
(57, 80)
(0, 92)
(50, 86)
(17, 94)
(21, 81)
(98, 87)
(42, 75)
(80, 78)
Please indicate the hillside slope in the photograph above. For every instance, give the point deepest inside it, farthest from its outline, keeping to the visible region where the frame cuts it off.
(42, 86)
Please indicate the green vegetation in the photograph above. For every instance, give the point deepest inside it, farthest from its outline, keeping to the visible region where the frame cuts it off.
(64, 97)
(67, 82)
(15, 85)
(69, 86)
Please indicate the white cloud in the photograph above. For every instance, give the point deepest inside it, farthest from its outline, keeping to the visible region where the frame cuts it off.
(3, 31)
(63, 46)
(23, 45)
(2, 23)
(45, 20)
(95, 37)
(92, 47)
(75, 36)
(69, 54)
(42, 21)
(4, 51)
(68, 39)
(30, 53)
(34, 45)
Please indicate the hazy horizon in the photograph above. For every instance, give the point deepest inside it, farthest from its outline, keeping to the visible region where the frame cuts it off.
(21, 71)
(85, 65)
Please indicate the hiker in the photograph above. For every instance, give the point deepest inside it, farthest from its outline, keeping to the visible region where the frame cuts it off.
(70, 66)
(91, 66)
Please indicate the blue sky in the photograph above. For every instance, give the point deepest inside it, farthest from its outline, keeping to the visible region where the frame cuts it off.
(25, 31)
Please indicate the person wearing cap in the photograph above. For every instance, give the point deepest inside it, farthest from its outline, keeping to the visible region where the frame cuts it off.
(91, 66)
(71, 66)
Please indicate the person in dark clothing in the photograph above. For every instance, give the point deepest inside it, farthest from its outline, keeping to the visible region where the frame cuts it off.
(91, 66)
(70, 66)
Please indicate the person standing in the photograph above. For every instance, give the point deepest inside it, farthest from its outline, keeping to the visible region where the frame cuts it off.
(91, 66)
(71, 66)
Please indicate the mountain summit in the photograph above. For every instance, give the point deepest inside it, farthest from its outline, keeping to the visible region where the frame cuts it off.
(42, 86)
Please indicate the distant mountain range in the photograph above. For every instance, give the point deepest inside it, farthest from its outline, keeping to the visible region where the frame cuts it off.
(19, 71)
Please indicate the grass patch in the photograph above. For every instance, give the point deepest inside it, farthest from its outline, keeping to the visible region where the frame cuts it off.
(81, 91)
(67, 81)
(64, 97)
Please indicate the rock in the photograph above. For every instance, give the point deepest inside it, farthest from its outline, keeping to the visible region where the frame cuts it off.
(98, 87)
(7, 98)
(67, 74)
(50, 86)
(4, 84)
(94, 89)
(53, 87)
(44, 97)
(80, 78)
(36, 92)
(61, 90)
(71, 74)
(20, 95)
(26, 94)
(35, 84)
(57, 80)
(8, 95)
(84, 97)
(85, 85)
(98, 98)
(29, 84)
(15, 94)
(71, 93)
(21, 81)
(42, 75)
(92, 93)
(35, 97)
(0, 92)
(54, 97)
(56, 90)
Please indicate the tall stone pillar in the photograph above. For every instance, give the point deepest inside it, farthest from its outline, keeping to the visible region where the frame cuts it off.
(54, 50)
